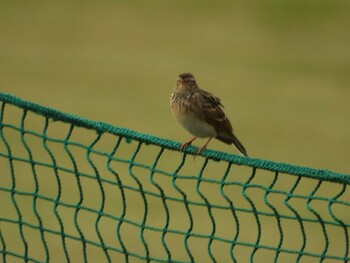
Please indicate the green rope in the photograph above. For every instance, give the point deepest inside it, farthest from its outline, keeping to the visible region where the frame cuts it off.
(162, 211)
(101, 127)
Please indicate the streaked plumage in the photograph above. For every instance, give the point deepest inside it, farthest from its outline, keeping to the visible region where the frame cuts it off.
(200, 112)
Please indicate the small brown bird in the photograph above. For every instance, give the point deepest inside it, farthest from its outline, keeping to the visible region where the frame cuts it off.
(201, 114)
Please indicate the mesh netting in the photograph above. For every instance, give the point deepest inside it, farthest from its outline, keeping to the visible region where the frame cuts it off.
(74, 190)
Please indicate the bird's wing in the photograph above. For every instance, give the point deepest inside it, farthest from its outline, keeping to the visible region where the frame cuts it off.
(210, 109)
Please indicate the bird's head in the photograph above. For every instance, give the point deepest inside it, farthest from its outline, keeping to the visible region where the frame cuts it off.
(186, 82)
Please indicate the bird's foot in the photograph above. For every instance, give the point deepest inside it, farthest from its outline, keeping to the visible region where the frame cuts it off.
(185, 144)
(200, 150)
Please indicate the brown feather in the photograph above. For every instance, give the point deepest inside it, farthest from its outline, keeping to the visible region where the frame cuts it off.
(211, 109)
(188, 98)
(214, 115)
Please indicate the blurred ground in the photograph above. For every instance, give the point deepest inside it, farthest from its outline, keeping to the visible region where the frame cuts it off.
(282, 69)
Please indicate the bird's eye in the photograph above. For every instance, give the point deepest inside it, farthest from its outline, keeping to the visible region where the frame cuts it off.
(191, 82)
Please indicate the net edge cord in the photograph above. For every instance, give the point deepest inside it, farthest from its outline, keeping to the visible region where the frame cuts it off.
(150, 139)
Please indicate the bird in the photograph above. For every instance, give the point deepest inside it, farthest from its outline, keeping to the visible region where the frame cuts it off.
(201, 113)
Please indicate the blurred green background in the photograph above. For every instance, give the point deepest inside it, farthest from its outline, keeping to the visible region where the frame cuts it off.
(281, 68)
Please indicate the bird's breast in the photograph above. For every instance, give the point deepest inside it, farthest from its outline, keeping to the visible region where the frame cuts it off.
(196, 126)
(184, 110)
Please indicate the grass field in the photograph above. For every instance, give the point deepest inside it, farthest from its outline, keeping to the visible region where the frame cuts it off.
(282, 69)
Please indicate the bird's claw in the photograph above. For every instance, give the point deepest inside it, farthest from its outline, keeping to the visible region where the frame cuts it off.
(200, 150)
(184, 145)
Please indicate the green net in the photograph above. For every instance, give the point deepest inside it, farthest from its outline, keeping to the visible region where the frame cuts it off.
(75, 190)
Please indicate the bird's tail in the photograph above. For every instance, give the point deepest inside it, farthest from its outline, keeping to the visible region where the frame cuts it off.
(232, 139)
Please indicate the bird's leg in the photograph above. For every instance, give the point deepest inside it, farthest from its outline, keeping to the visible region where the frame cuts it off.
(185, 144)
(205, 146)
